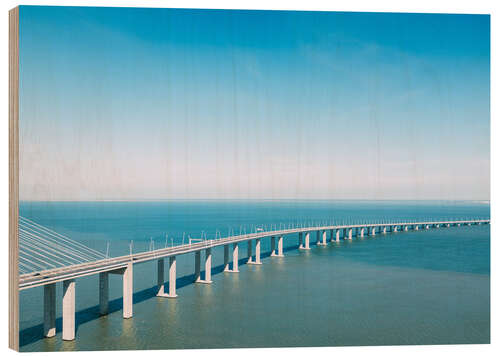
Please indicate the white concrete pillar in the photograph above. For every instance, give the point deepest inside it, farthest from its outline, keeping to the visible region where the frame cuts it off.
(161, 277)
(372, 233)
(384, 229)
(395, 228)
(448, 225)
(349, 234)
(416, 227)
(337, 235)
(68, 310)
(49, 310)
(208, 266)
(103, 293)
(307, 241)
(301, 243)
(322, 240)
(318, 239)
(128, 291)
(273, 246)
(257, 251)
(235, 258)
(426, 226)
(280, 246)
(362, 232)
(172, 277)
(406, 228)
(249, 251)
(197, 266)
(226, 258)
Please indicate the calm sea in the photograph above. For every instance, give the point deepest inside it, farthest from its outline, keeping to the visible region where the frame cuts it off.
(422, 287)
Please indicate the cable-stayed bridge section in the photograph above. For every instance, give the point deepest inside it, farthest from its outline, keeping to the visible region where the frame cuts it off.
(47, 258)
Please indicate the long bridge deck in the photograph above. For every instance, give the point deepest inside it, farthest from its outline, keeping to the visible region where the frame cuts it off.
(123, 265)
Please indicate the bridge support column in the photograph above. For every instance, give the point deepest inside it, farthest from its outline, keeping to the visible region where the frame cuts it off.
(318, 239)
(235, 258)
(406, 228)
(362, 232)
(384, 229)
(103, 293)
(273, 246)
(249, 252)
(395, 228)
(337, 235)
(306, 241)
(448, 225)
(161, 277)
(301, 243)
(128, 291)
(49, 310)
(208, 266)
(323, 238)
(373, 230)
(349, 234)
(344, 235)
(197, 266)
(68, 307)
(280, 247)
(416, 227)
(257, 253)
(226, 258)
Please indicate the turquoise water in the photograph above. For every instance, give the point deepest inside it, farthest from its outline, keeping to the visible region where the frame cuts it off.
(422, 287)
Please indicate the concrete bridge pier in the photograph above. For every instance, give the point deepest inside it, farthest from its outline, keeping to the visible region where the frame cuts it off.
(331, 235)
(197, 266)
(384, 229)
(235, 259)
(323, 238)
(349, 234)
(280, 247)
(395, 228)
(362, 232)
(306, 241)
(416, 227)
(49, 310)
(103, 293)
(128, 287)
(337, 235)
(249, 252)
(318, 239)
(306, 244)
(406, 228)
(161, 277)
(372, 233)
(273, 246)
(301, 243)
(257, 253)
(68, 310)
(226, 258)
(448, 225)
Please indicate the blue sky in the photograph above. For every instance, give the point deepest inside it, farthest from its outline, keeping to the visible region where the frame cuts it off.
(122, 103)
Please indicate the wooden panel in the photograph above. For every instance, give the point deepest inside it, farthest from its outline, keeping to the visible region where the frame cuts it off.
(13, 177)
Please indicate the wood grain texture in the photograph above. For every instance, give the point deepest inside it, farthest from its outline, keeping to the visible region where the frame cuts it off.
(13, 177)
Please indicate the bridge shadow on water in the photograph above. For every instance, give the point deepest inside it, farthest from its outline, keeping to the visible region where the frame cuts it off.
(35, 333)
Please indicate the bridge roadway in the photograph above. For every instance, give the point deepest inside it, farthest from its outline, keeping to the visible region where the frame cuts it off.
(123, 265)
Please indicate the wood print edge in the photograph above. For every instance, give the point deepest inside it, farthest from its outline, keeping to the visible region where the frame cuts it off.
(13, 177)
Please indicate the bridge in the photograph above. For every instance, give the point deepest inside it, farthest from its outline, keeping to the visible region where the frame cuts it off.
(47, 258)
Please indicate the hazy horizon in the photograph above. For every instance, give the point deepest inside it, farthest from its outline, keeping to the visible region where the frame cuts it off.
(123, 104)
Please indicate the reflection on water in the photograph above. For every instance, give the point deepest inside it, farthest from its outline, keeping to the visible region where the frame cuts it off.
(424, 287)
